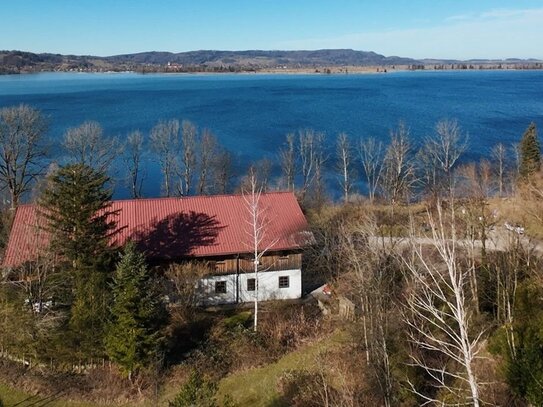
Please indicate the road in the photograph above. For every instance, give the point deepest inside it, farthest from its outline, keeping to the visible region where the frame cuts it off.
(499, 239)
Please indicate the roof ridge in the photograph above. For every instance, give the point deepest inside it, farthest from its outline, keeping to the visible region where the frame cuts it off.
(173, 198)
(166, 198)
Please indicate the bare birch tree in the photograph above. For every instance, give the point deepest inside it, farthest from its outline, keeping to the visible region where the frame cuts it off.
(87, 145)
(287, 157)
(344, 165)
(371, 154)
(188, 156)
(133, 155)
(22, 150)
(257, 225)
(166, 145)
(439, 315)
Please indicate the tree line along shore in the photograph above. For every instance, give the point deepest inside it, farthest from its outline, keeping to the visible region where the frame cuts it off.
(421, 304)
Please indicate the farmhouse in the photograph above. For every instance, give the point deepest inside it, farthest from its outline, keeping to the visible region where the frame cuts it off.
(215, 229)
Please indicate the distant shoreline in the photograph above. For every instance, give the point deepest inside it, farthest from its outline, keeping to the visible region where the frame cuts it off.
(291, 71)
(324, 61)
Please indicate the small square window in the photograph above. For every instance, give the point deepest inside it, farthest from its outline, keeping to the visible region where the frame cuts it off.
(220, 287)
(284, 282)
(251, 284)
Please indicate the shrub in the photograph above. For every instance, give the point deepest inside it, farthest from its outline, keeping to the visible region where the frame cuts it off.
(197, 391)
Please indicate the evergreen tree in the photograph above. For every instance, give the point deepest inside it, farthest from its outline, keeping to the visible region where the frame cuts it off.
(530, 152)
(138, 314)
(76, 207)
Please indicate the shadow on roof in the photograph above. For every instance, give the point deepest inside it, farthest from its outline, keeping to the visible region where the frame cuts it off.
(176, 235)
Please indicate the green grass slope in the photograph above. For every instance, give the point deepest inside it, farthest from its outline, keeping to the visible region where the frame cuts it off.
(258, 387)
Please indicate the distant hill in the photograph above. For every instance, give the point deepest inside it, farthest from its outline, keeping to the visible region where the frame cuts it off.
(229, 61)
(324, 57)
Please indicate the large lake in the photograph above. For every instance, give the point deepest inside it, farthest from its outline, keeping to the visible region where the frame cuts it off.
(251, 113)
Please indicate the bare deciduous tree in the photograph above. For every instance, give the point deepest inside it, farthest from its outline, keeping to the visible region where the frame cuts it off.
(442, 152)
(22, 151)
(374, 283)
(476, 188)
(265, 167)
(287, 157)
(398, 168)
(344, 165)
(371, 156)
(188, 156)
(34, 278)
(499, 155)
(166, 144)
(439, 314)
(222, 171)
(185, 278)
(133, 155)
(208, 155)
(261, 171)
(308, 149)
(320, 160)
(257, 225)
(87, 145)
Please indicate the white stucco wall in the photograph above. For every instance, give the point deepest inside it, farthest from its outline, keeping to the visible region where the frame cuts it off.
(206, 288)
(268, 287)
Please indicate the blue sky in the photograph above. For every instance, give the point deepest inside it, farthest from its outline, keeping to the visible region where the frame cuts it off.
(414, 28)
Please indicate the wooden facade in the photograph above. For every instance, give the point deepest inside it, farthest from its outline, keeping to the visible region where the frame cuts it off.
(243, 263)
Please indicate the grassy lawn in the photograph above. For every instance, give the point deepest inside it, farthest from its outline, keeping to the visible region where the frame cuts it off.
(11, 397)
(255, 387)
(258, 387)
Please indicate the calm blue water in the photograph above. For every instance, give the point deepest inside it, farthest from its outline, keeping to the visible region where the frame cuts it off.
(250, 114)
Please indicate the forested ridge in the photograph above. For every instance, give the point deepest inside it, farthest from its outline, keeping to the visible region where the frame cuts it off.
(12, 62)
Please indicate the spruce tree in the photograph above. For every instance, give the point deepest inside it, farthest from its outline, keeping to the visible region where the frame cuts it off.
(134, 335)
(530, 152)
(76, 207)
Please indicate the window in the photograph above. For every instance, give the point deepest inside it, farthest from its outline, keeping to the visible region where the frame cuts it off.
(220, 266)
(251, 284)
(283, 261)
(284, 282)
(220, 287)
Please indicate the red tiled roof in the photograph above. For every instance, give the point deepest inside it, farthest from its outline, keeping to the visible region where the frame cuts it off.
(173, 228)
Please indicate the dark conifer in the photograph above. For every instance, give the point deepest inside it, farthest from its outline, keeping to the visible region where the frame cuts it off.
(76, 208)
(530, 152)
(138, 314)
